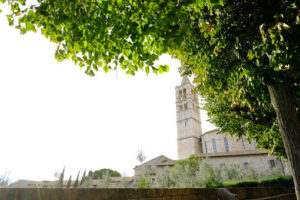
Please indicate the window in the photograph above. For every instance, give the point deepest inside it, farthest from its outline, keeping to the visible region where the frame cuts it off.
(184, 93)
(180, 108)
(153, 180)
(148, 167)
(180, 95)
(222, 165)
(185, 106)
(205, 146)
(214, 145)
(184, 123)
(246, 165)
(272, 163)
(226, 144)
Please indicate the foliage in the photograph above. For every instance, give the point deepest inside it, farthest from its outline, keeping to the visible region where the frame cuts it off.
(61, 178)
(87, 182)
(76, 183)
(83, 177)
(163, 178)
(144, 182)
(124, 183)
(141, 157)
(4, 180)
(99, 174)
(194, 173)
(233, 48)
(268, 181)
(69, 183)
(105, 180)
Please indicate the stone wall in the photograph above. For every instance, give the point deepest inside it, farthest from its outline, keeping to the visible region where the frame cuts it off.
(260, 163)
(142, 194)
(233, 144)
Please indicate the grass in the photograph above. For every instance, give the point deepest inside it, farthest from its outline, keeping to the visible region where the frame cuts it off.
(268, 181)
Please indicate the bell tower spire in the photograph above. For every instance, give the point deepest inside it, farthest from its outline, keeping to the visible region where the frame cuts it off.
(188, 120)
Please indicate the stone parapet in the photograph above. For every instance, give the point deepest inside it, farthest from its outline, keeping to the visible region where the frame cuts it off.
(140, 194)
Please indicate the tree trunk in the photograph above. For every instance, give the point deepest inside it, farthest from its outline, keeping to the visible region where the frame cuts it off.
(289, 124)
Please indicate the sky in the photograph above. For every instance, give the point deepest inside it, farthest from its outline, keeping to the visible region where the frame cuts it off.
(52, 115)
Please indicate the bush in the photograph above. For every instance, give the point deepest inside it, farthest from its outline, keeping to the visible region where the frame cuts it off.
(268, 181)
(144, 183)
(195, 173)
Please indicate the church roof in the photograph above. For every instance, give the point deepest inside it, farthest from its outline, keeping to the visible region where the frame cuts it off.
(185, 80)
(234, 153)
(159, 161)
(211, 131)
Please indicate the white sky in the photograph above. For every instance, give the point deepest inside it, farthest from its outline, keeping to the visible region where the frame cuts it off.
(53, 115)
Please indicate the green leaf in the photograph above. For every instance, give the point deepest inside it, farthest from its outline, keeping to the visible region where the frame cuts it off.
(77, 47)
(85, 43)
(105, 68)
(147, 69)
(68, 55)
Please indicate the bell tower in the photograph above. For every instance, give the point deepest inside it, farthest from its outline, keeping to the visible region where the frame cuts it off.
(188, 120)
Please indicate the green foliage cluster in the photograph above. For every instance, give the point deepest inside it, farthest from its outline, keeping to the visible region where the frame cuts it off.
(198, 173)
(144, 182)
(86, 181)
(101, 173)
(268, 181)
(235, 49)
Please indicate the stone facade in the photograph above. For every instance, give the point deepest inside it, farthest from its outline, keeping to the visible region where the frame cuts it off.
(152, 168)
(188, 120)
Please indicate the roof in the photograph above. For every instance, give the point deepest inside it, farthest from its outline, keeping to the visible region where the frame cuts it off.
(211, 131)
(26, 183)
(185, 80)
(159, 161)
(232, 154)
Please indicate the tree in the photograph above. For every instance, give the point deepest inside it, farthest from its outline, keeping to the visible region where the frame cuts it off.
(99, 174)
(243, 54)
(61, 178)
(76, 183)
(69, 183)
(4, 180)
(83, 177)
(144, 182)
(105, 179)
(141, 157)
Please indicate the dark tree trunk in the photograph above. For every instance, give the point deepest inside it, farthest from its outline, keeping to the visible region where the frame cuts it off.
(289, 123)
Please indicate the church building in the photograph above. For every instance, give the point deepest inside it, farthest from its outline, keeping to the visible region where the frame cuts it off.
(221, 150)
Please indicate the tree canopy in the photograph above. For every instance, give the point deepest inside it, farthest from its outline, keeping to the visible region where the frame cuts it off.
(99, 174)
(243, 54)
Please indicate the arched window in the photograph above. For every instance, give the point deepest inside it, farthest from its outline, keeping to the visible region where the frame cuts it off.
(246, 165)
(226, 144)
(180, 108)
(214, 145)
(184, 93)
(180, 95)
(185, 106)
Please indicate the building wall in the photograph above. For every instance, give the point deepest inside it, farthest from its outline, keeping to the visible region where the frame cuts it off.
(260, 163)
(233, 144)
(152, 167)
(187, 147)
